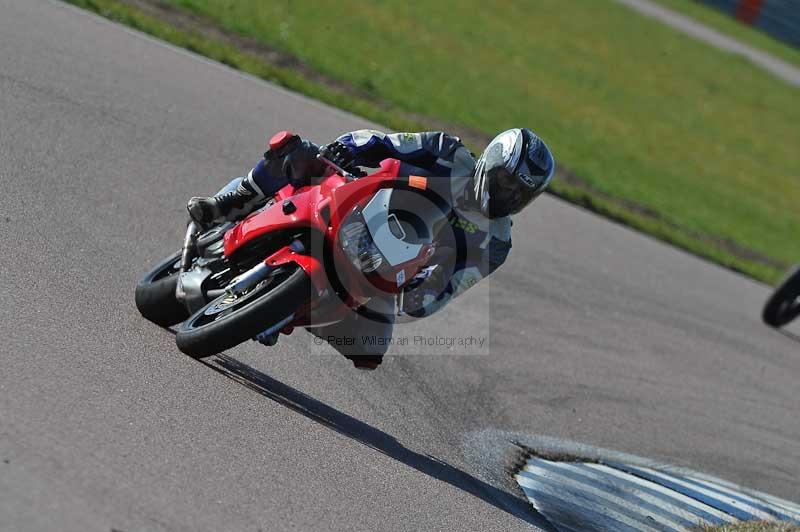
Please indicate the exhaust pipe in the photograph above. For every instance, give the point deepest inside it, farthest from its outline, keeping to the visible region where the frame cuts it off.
(257, 273)
(248, 279)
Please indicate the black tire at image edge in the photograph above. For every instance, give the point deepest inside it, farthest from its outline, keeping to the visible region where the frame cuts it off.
(775, 314)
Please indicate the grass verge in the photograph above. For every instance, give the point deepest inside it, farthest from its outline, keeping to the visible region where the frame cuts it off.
(688, 160)
(724, 23)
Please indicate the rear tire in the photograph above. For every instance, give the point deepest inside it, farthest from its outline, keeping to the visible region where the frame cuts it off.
(155, 294)
(783, 305)
(203, 335)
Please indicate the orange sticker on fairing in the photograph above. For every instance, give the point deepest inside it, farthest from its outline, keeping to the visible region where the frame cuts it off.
(418, 181)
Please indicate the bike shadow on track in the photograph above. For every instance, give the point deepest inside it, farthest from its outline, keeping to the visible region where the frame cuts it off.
(374, 438)
(789, 334)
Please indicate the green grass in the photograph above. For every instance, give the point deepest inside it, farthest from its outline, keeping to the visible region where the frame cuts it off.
(640, 113)
(728, 25)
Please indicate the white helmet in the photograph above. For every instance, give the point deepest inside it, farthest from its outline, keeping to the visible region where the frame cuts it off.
(512, 171)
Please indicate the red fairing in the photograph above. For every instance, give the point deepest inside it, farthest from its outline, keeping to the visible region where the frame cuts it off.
(310, 264)
(274, 219)
(321, 208)
(309, 202)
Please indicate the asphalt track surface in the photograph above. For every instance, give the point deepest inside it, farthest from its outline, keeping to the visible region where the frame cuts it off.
(599, 334)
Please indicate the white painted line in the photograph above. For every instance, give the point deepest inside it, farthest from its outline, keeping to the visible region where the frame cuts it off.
(708, 493)
(688, 501)
(663, 502)
(742, 495)
(759, 495)
(781, 503)
(531, 488)
(600, 493)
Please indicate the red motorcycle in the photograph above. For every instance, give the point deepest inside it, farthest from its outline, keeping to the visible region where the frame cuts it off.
(310, 256)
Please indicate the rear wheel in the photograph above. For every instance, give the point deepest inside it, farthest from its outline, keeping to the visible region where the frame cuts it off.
(230, 320)
(784, 304)
(155, 293)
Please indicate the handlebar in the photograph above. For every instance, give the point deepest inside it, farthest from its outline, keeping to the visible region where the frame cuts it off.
(335, 167)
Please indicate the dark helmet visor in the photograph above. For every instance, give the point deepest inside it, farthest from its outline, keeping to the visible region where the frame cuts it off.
(507, 194)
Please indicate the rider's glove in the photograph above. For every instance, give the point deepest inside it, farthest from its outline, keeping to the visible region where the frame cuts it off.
(339, 154)
(287, 145)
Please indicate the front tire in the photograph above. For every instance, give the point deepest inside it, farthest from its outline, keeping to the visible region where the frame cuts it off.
(784, 304)
(226, 322)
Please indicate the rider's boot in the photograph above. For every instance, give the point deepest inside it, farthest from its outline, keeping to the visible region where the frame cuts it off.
(228, 206)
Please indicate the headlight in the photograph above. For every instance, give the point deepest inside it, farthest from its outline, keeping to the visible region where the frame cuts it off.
(358, 245)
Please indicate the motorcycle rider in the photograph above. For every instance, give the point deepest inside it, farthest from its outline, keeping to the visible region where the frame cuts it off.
(512, 171)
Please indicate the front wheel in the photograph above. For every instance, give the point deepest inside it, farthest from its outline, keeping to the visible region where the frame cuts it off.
(784, 304)
(230, 320)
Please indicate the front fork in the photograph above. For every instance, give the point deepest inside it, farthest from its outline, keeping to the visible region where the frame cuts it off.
(193, 230)
(189, 289)
(189, 246)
